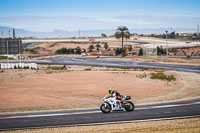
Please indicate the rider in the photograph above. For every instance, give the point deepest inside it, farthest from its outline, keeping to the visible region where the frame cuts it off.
(114, 93)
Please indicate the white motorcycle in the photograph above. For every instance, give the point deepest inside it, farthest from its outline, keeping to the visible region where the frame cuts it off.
(110, 104)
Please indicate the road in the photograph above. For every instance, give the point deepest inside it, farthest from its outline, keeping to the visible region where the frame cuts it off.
(187, 109)
(106, 62)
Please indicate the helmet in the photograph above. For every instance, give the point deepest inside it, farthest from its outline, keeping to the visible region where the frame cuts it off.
(111, 90)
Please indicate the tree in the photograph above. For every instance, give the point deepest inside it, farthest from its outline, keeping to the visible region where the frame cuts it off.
(141, 52)
(61, 51)
(158, 50)
(173, 34)
(118, 51)
(103, 35)
(90, 48)
(65, 51)
(77, 50)
(98, 46)
(106, 45)
(130, 47)
(122, 32)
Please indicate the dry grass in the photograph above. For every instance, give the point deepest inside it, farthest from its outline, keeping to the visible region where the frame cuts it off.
(191, 125)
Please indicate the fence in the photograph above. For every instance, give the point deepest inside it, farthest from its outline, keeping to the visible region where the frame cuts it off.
(18, 65)
(149, 51)
(10, 46)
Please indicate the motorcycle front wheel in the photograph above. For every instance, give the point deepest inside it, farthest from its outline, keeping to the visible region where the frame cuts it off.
(105, 107)
(129, 106)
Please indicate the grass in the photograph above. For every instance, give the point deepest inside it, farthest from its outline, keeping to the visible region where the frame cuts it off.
(183, 39)
(87, 69)
(162, 76)
(5, 57)
(124, 67)
(55, 68)
(34, 44)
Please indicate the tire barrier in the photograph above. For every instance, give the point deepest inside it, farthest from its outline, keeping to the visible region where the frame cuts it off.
(18, 66)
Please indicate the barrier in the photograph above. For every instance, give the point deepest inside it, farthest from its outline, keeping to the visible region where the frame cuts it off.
(18, 65)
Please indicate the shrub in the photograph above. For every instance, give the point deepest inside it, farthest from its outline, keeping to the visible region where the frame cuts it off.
(55, 68)
(65, 51)
(171, 78)
(162, 76)
(124, 67)
(88, 69)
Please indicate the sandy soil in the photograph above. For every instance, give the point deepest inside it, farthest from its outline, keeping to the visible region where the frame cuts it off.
(167, 126)
(29, 90)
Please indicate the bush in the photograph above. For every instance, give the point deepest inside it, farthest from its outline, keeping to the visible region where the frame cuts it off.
(65, 51)
(124, 67)
(162, 76)
(55, 68)
(88, 69)
(119, 51)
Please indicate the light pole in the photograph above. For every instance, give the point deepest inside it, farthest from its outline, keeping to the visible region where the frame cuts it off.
(166, 44)
(7, 51)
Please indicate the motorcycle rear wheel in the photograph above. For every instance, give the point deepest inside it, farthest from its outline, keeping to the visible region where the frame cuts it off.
(106, 109)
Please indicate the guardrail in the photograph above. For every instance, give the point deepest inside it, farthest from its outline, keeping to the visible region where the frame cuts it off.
(18, 66)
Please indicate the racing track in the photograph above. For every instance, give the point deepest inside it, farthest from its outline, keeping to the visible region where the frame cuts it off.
(105, 62)
(187, 109)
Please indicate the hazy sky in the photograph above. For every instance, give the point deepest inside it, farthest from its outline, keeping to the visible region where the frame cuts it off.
(48, 15)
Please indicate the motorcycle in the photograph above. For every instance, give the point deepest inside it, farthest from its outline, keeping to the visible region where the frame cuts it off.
(110, 104)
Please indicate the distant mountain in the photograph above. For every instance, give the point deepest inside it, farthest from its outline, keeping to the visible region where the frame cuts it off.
(4, 32)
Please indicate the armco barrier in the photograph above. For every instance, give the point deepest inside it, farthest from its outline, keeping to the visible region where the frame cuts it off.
(18, 65)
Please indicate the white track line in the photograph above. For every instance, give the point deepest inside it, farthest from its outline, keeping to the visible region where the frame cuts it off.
(90, 112)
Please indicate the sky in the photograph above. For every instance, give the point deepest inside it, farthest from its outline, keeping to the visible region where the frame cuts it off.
(71, 15)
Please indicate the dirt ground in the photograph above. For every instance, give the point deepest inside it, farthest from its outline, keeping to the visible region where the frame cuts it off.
(34, 90)
(191, 125)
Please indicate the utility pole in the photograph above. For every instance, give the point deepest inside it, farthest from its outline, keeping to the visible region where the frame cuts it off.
(14, 34)
(7, 51)
(166, 44)
(19, 51)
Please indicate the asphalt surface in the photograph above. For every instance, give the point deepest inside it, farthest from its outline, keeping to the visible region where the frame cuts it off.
(107, 62)
(187, 109)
